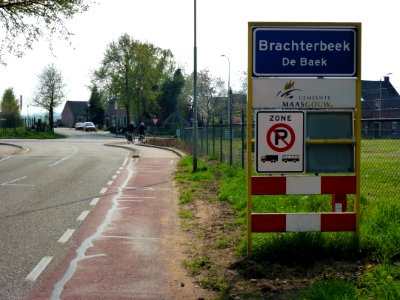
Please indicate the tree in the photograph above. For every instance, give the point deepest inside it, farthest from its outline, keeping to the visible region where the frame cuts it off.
(133, 72)
(10, 109)
(49, 92)
(243, 83)
(209, 88)
(115, 74)
(25, 21)
(96, 106)
(169, 97)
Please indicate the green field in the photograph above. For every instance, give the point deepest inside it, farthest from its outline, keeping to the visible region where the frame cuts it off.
(25, 133)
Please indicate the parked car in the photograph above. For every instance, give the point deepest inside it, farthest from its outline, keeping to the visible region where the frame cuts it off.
(79, 126)
(89, 126)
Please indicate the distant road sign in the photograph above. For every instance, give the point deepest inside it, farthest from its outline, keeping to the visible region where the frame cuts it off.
(280, 141)
(304, 51)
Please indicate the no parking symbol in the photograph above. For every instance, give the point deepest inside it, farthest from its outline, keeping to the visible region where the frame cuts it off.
(280, 137)
(280, 141)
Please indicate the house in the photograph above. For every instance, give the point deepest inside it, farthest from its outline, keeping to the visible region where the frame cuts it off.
(115, 115)
(380, 109)
(73, 112)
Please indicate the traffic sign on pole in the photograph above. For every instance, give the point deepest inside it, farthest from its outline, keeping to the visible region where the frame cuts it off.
(280, 142)
(304, 98)
(318, 51)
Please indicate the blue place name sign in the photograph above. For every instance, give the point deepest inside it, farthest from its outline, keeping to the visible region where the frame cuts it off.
(306, 52)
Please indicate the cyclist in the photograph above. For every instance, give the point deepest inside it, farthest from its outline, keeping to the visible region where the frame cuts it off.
(142, 132)
(130, 132)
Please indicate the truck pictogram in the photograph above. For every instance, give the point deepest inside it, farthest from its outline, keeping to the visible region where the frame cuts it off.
(270, 158)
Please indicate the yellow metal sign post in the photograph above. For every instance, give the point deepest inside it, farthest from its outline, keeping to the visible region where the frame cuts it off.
(325, 60)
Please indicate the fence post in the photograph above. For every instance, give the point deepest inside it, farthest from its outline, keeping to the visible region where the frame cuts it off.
(242, 134)
(201, 138)
(206, 137)
(213, 136)
(220, 144)
(230, 138)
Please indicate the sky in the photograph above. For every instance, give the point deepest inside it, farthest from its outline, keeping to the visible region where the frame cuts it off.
(221, 30)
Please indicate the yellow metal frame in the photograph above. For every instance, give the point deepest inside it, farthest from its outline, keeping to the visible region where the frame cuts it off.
(357, 123)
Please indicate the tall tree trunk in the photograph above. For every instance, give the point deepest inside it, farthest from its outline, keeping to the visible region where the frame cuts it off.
(51, 125)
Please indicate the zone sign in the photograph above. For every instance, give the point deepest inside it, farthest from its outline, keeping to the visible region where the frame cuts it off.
(279, 141)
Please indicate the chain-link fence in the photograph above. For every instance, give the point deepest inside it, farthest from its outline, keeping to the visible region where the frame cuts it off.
(223, 142)
(216, 140)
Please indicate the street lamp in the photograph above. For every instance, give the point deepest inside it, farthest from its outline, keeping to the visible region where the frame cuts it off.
(88, 115)
(195, 93)
(380, 94)
(229, 108)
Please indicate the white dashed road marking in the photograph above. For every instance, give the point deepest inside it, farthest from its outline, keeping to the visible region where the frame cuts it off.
(83, 215)
(35, 273)
(94, 201)
(65, 237)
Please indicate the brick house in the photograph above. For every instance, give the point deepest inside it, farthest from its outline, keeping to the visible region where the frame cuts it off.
(73, 112)
(115, 115)
(380, 109)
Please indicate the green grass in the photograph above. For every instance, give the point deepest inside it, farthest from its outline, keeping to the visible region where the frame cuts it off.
(215, 283)
(379, 240)
(329, 290)
(23, 133)
(196, 265)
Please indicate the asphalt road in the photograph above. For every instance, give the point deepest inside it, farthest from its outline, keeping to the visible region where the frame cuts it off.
(46, 191)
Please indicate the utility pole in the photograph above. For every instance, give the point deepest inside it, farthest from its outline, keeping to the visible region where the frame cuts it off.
(195, 94)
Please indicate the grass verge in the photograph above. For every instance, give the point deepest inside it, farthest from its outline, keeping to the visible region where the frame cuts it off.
(23, 133)
(294, 265)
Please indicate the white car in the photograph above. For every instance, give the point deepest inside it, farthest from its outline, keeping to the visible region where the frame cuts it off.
(89, 126)
(79, 126)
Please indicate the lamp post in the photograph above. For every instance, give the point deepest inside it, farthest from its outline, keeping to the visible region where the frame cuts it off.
(88, 116)
(195, 94)
(229, 108)
(380, 94)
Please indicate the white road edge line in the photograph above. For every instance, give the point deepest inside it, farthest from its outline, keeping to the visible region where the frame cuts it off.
(138, 200)
(135, 197)
(12, 181)
(65, 158)
(103, 191)
(65, 237)
(94, 201)
(83, 215)
(35, 273)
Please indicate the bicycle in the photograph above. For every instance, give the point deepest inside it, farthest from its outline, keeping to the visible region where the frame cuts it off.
(130, 137)
(142, 138)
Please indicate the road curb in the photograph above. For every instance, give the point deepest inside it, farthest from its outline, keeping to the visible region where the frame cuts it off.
(177, 152)
(12, 145)
(135, 151)
(5, 153)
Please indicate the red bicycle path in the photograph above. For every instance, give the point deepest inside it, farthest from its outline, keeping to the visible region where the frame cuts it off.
(127, 246)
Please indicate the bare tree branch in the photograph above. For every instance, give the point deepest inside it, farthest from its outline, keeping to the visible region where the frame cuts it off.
(25, 21)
